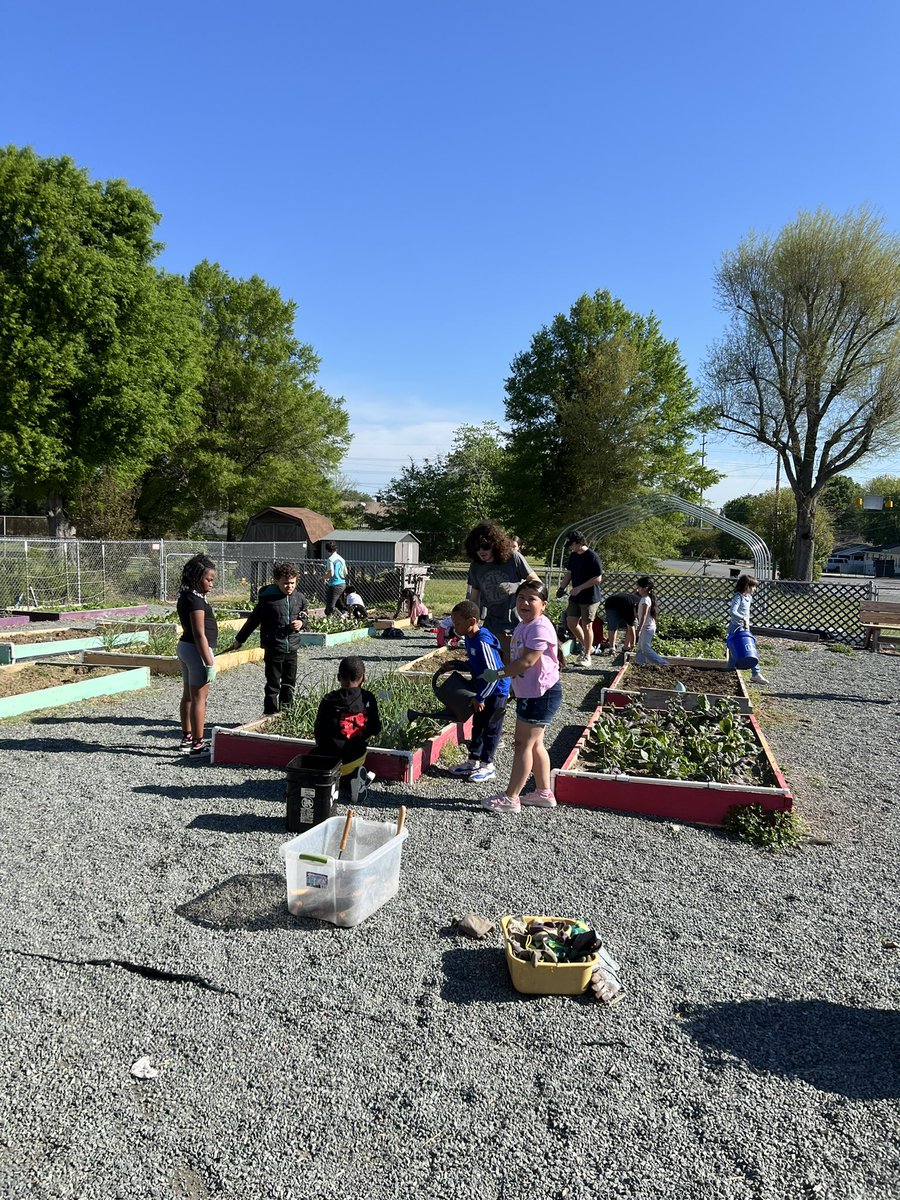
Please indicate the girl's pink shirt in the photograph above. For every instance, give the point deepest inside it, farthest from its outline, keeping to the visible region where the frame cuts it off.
(538, 634)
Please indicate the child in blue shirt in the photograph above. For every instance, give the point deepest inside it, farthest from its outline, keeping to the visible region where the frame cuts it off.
(483, 653)
(739, 618)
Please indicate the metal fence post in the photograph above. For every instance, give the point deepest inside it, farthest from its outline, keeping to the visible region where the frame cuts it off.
(78, 571)
(162, 570)
(103, 569)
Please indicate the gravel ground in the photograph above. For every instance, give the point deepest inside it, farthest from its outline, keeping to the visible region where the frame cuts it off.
(754, 1056)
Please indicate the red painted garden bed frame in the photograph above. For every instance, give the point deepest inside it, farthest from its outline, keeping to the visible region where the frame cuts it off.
(683, 800)
(250, 746)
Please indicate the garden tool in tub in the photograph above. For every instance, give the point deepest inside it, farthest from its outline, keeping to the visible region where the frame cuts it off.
(453, 685)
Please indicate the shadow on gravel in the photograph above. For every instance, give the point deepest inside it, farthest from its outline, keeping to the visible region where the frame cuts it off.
(851, 1052)
(171, 730)
(253, 789)
(476, 975)
(564, 743)
(251, 902)
(239, 822)
(57, 745)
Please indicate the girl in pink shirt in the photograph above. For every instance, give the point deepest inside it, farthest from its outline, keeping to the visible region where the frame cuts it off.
(534, 671)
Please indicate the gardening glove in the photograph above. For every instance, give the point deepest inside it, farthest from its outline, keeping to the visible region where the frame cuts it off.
(491, 675)
(210, 674)
(560, 592)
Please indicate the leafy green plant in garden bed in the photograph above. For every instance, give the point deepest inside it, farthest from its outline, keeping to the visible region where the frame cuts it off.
(690, 628)
(690, 647)
(396, 694)
(711, 743)
(770, 830)
(333, 624)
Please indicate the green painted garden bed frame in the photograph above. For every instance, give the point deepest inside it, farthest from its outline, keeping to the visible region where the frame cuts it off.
(72, 693)
(13, 652)
(311, 638)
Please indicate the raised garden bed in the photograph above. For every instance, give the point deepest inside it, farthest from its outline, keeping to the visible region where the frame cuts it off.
(252, 746)
(579, 783)
(426, 664)
(56, 641)
(14, 622)
(315, 638)
(656, 685)
(390, 623)
(28, 687)
(168, 664)
(86, 614)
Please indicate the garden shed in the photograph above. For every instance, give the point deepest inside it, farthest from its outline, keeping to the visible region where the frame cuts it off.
(287, 525)
(374, 545)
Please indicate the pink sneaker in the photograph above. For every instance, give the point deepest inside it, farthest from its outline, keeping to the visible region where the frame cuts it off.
(538, 799)
(501, 804)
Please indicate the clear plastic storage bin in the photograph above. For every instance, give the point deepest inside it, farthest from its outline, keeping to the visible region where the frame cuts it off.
(347, 890)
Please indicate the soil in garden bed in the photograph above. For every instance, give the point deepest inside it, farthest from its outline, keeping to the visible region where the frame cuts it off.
(46, 635)
(43, 675)
(430, 664)
(695, 679)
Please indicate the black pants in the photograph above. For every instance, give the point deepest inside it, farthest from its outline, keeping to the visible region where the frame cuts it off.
(333, 599)
(281, 678)
(487, 726)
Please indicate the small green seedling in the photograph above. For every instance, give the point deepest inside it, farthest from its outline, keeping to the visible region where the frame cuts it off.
(769, 830)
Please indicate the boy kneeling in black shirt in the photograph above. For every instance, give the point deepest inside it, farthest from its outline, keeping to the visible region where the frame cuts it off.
(346, 719)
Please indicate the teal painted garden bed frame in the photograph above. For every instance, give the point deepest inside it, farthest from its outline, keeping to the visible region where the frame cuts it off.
(310, 638)
(71, 693)
(13, 652)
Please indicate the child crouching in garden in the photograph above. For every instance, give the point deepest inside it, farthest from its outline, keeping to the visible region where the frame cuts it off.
(483, 653)
(534, 671)
(347, 718)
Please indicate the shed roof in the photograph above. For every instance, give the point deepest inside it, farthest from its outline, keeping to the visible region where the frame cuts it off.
(372, 535)
(317, 526)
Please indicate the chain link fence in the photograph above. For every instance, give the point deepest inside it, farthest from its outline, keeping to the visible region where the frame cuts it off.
(829, 609)
(50, 572)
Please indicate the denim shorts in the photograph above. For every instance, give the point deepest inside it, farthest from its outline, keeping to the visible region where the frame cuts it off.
(540, 710)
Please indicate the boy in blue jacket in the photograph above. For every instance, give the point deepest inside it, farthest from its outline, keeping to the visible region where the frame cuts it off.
(280, 613)
(483, 653)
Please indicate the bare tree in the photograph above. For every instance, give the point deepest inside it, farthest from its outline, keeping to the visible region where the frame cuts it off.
(810, 365)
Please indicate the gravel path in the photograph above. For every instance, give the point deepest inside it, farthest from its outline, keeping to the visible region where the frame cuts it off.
(754, 1057)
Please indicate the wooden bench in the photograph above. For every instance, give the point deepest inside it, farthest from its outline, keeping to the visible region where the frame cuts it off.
(876, 615)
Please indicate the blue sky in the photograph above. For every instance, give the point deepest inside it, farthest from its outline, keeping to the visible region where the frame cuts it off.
(433, 182)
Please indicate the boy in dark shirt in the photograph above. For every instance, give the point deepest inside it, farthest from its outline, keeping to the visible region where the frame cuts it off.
(280, 613)
(346, 719)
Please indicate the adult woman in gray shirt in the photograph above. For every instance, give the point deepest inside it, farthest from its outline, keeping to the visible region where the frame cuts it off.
(495, 571)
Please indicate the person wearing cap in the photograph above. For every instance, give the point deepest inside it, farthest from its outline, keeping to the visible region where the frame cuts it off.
(584, 571)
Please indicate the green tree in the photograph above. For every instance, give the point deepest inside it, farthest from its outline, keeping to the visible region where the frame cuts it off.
(600, 409)
(810, 365)
(439, 500)
(98, 350)
(881, 527)
(268, 434)
(839, 496)
(773, 516)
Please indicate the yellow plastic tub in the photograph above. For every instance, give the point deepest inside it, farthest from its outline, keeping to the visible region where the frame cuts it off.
(546, 979)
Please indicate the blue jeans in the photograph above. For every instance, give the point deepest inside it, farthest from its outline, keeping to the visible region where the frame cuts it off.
(540, 710)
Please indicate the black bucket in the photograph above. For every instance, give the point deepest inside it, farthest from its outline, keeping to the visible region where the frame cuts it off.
(313, 781)
(454, 690)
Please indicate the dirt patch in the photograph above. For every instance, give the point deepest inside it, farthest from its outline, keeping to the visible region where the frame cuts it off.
(43, 675)
(45, 635)
(695, 679)
(428, 665)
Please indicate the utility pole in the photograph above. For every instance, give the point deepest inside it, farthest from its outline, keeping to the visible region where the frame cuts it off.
(703, 465)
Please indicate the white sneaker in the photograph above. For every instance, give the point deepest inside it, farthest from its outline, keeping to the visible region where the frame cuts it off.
(466, 768)
(758, 679)
(584, 661)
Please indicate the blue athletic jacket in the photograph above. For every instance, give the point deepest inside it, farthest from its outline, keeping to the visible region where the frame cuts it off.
(482, 651)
